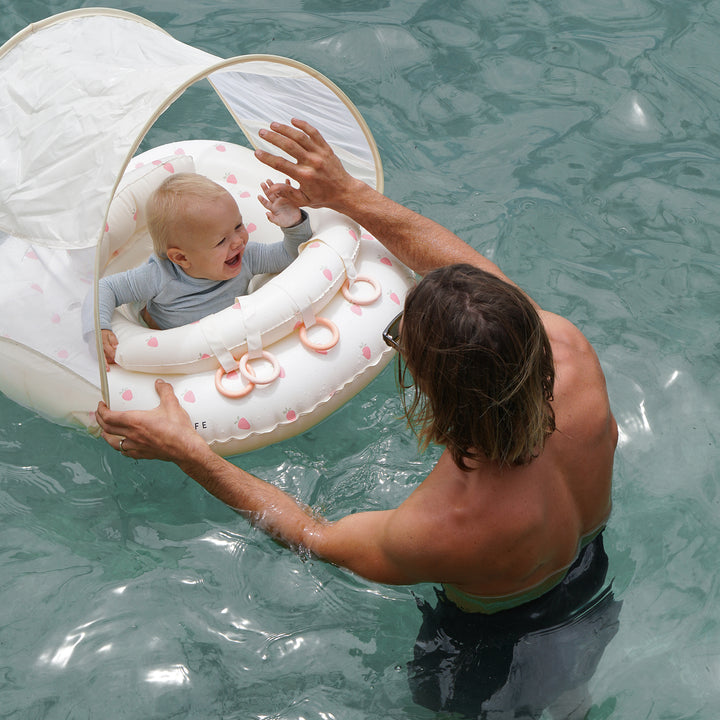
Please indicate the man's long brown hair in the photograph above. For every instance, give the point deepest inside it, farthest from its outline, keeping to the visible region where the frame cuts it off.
(481, 366)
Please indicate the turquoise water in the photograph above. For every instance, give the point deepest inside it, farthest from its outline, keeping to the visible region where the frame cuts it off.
(575, 143)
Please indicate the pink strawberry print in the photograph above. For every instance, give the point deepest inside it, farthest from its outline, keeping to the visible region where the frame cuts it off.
(220, 148)
(395, 298)
(251, 227)
(367, 352)
(243, 424)
(107, 228)
(386, 261)
(353, 235)
(169, 167)
(367, 236)
(37, 288)
(231, 179)
(290, 415)
(328, 273)
(204, 356)
(244, 194)
(356, 309)
(282, 372)
(152, 342)
(189, 396)
(157, 162)
(314, 244)
(55, 318)
(127, 395)
(31, 255)
(63, 354)
(179, 151)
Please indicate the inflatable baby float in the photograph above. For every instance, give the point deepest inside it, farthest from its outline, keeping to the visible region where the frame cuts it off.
(72, 192)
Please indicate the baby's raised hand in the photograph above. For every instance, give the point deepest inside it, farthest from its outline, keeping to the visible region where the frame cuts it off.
(282, 210)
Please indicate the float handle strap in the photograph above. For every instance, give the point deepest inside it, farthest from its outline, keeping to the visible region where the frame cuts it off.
(303, 305)
(251, 319)
(213, 336)
(350, 270)
(347, 256)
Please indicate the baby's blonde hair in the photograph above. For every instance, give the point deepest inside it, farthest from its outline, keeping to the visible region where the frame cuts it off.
(168, 206)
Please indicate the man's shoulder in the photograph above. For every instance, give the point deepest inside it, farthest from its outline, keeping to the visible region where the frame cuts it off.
(581, 403)
(563, 334)
(577, 366)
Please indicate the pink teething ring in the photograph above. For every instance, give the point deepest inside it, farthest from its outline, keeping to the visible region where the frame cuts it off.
(249, 375)
(345, 290)
(320, 347)
(219, 375)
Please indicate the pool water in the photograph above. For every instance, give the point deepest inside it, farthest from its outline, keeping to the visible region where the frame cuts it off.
(575, 143)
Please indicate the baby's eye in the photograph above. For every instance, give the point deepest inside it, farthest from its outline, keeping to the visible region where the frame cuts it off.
(240, 226)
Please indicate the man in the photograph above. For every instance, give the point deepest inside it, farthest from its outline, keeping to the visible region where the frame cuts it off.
(512, 514)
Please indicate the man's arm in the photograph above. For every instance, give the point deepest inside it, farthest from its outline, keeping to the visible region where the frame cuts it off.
(419, 242)
(358, 542)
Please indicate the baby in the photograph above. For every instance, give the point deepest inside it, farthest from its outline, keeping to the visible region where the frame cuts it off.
(202, 257)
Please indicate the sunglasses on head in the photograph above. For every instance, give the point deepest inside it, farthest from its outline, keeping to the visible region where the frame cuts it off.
(391, 334)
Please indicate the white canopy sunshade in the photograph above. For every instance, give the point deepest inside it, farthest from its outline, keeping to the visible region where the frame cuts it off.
(79, 91)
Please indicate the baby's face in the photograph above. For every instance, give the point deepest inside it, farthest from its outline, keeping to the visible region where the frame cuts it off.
(213, 239)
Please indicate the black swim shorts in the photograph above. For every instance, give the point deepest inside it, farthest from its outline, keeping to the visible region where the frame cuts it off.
(522, 660)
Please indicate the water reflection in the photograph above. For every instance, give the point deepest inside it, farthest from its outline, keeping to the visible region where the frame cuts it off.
(174, 675)
(61, 657)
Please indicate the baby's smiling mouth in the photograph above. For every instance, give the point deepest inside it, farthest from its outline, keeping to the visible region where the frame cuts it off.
(234, 260)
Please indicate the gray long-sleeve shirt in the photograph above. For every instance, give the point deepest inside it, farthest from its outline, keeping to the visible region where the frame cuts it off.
(175, 298)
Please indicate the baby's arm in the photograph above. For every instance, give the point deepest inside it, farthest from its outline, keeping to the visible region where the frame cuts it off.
(138, 284)
(281, 211)
(108, 300)
(109, 341)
